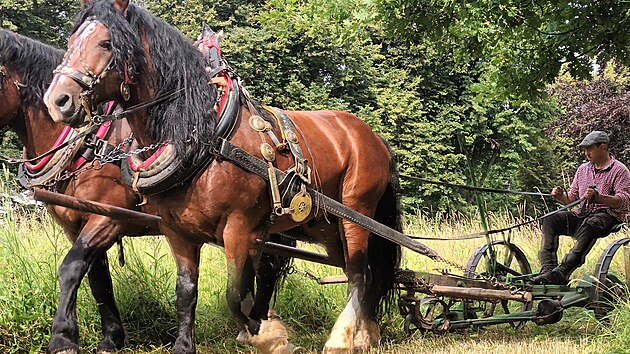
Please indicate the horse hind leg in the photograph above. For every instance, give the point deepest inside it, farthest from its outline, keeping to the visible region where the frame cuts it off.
(341, 339)
(102, 290)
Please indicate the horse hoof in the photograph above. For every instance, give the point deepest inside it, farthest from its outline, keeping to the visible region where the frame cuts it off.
(338, 345)
(332, 350)
(273, 338)
(68, 351)
(367, 336)
(244, 336)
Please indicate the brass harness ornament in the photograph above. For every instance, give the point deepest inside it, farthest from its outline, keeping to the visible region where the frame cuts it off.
(301, 203)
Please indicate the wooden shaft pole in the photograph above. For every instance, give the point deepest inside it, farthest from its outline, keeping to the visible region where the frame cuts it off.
(480, 294)
(114, 212)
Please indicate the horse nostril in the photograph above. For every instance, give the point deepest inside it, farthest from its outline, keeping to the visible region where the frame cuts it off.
(62, 100)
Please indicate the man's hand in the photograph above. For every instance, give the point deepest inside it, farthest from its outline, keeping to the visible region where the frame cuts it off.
(557, 193)
(591, 194)
(560, 195)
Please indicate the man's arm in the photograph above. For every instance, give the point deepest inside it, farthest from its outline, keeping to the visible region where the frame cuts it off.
(622, 192)
(613, 201)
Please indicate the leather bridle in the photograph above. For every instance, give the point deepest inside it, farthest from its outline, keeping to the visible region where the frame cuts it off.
(87, 78)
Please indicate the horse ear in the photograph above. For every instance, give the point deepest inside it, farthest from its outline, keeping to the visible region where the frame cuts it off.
(121, 6)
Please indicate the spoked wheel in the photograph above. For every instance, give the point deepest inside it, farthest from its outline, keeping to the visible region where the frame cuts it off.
(425, 315)
(612, 278)
(509, 259)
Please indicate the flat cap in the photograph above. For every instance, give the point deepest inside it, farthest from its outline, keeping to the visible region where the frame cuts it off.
(594, 137)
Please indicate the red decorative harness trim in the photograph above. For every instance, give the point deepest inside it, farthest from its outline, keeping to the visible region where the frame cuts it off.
(148, 161)
(41, 164)
(102, 131)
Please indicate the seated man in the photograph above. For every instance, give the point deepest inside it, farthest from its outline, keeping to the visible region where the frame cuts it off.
(605, 184)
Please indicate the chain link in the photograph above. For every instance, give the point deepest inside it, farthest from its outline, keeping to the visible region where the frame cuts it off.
(110, 157)
(304, 273)
(115, 155)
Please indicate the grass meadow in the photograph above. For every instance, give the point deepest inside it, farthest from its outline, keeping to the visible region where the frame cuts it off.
(32, 246)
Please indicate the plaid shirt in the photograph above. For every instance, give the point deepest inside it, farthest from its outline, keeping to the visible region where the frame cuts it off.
(613, 179)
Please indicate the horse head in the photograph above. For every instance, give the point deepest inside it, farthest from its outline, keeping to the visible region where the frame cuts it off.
(120, 52)
(95, 68)
(25, 66)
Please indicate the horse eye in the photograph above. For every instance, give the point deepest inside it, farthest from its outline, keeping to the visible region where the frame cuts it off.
(107, 45)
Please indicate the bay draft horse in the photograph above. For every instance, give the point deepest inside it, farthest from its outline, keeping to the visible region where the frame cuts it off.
(223, 204)
(26, 70)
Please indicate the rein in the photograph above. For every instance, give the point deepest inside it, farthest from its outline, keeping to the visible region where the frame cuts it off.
(497, 231)
(12, 161)
(102, 118)
(471, 188)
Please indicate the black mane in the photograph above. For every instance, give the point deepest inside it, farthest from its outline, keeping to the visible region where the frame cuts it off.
(32, 61)
(187, 121)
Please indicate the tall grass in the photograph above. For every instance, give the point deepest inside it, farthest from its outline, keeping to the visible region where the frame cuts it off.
(32, 246)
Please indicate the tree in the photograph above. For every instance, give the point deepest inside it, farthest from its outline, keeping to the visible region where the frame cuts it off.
(48, 21)
(599, 104)
(528, 41)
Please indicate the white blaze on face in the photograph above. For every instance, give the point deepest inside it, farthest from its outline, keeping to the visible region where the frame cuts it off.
(86, 30)
(72, 58)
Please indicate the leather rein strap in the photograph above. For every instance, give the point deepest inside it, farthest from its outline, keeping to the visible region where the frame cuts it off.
(10, 160)
(257, 166)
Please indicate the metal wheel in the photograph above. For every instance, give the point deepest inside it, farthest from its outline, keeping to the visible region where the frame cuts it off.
(509, 260)
(425, 314)
(612, 278)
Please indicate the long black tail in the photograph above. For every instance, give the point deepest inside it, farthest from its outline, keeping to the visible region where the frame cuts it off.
(383, 255)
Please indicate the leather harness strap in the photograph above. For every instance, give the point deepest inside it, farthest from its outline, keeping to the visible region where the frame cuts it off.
(257, 166)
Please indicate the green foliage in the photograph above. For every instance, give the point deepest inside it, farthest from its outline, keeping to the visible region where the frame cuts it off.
(598, 104)
(420, 96)
(529, 41)
(47, 21)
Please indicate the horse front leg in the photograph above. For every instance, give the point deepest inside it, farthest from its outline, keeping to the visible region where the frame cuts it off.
(96, 237)
(187, 257)
(103, 292)
(239, 243)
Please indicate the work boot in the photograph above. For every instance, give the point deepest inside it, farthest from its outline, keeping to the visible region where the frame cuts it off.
(558, 276)
(546, 268)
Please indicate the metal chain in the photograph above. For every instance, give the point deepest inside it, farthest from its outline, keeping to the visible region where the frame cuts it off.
(421, 282)
(304, 273)
(492, 280)
(107, 158)
(115, 155)
(110, 156)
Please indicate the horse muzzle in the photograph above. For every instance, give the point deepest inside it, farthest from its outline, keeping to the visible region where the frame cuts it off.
(64, 109)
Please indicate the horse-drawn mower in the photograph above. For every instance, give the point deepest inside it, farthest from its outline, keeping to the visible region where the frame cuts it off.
(495, 288)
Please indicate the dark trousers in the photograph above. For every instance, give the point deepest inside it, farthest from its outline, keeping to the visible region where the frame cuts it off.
(585, 231)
